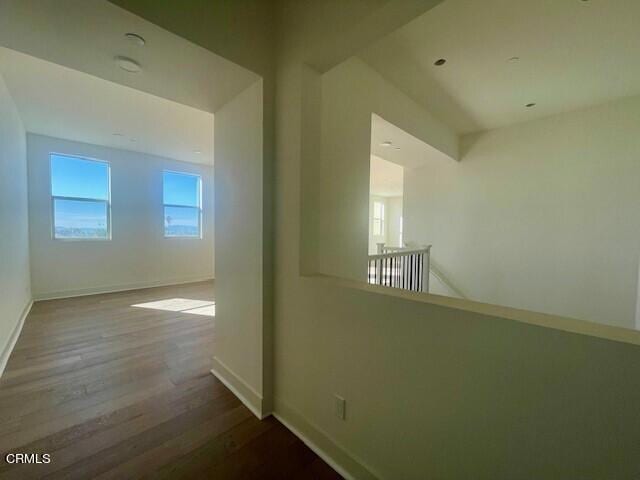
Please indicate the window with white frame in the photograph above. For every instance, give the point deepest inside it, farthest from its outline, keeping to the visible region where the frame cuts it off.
(182, 198)
(378, 218)
(80, 198)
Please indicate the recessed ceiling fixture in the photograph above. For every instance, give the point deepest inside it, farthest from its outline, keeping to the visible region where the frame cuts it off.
(439, 62)
(135, 38)
(128, 64)
(529, 105)
(386, 144)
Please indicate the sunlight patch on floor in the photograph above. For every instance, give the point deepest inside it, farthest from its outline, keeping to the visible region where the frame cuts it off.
(183, 305)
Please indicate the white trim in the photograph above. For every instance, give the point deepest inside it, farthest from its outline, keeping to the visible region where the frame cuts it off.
(247, 395)
(117, 288)
(333, 454)
(6, 353)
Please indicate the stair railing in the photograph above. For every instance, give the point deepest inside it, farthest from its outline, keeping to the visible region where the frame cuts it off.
(399, 267)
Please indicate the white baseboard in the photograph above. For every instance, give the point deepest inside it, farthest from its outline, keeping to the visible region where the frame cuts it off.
(335, 456)
(116, 288)
(6, 353)
(247, 395)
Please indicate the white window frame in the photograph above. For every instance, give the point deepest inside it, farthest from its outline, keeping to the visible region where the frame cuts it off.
(380, 219)
(199, 207)
(53, 197)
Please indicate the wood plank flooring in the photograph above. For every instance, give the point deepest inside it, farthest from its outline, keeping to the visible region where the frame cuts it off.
(112, 389)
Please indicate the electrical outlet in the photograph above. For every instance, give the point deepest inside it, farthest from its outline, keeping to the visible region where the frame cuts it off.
(340, 407)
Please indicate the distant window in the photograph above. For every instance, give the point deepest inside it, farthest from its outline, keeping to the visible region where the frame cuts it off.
(378, 219)
(182, 205)
(81, 198)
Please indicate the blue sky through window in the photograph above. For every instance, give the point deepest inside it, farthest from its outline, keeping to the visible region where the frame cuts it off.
(80, 178)
(74, 177)
(182, 204)
(181, 189)
(74, 214)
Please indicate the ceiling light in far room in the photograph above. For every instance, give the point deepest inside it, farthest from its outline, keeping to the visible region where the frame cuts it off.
(440, 62)
(529, 105)
(135, 38)
(386, 144)
(128, 64)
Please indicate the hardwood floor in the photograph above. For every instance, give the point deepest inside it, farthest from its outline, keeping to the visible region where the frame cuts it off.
(110, 388)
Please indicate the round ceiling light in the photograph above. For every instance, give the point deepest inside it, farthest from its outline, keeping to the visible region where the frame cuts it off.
(128, 64)
(135, 38)
(439, 62)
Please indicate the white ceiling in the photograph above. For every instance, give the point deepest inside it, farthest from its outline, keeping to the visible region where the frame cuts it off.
(58, 63)
(405, 149)
(64, 103)
(386, 178)
(86, 35)
(573, 54)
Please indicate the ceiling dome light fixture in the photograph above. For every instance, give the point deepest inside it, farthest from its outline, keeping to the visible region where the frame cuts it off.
(440, 62)
(128, 64)
(135, 38)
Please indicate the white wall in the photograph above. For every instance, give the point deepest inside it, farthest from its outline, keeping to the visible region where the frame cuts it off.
(351, 92)
(238, 356)
(541, 216)
(432, 392)
(15, 289)
(138, 254)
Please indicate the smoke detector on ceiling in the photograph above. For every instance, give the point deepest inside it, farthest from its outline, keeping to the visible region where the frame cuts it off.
(135, 38)
(128, 64)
